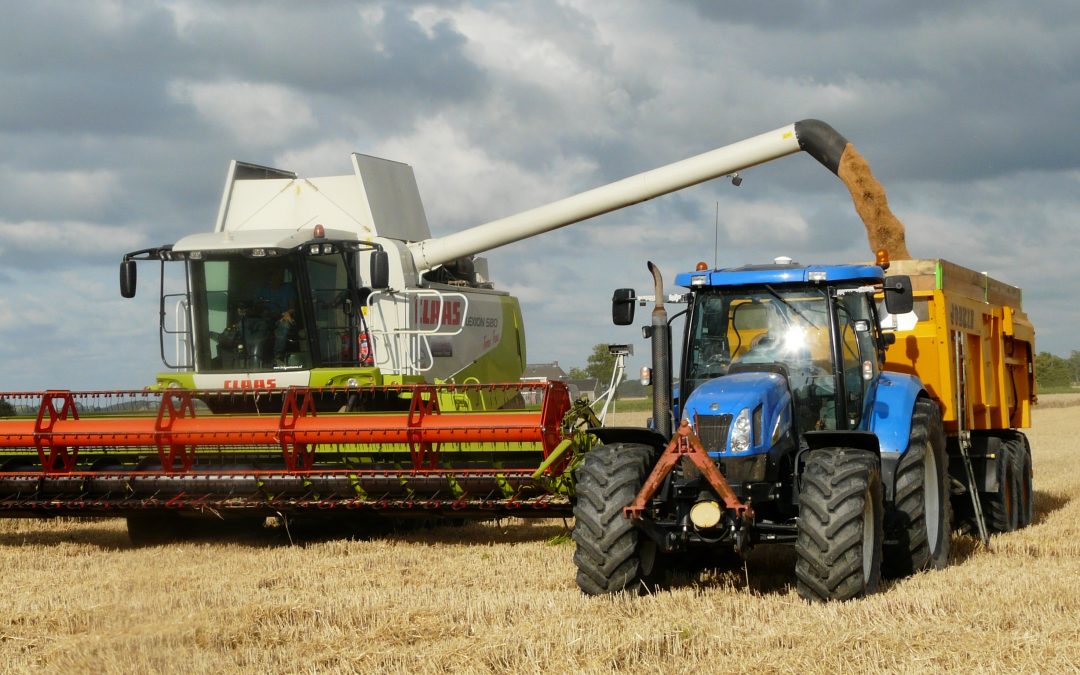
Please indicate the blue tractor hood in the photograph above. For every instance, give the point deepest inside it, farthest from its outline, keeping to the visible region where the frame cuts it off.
(766, 398)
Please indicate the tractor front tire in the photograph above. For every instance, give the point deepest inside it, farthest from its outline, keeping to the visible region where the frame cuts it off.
(919, 519)
(840, 528)
(612, 555)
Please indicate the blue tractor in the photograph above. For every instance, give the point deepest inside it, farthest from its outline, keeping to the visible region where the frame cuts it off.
(784, 429)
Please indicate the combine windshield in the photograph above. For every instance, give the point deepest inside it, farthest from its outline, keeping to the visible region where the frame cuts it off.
(289, 312)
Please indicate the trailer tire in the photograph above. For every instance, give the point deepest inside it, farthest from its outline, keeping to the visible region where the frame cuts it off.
(1002, 508)
(612, 555)
(1025, 498)
(919, 518)
(840, 526)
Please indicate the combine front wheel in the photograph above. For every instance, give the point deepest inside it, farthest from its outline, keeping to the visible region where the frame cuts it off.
(611, 554)
(920, 516)
(838, 546)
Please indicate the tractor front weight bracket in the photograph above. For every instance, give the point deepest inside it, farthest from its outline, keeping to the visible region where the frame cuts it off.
(687, 444)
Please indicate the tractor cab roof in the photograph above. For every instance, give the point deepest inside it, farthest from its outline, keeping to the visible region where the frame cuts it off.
(783, 272)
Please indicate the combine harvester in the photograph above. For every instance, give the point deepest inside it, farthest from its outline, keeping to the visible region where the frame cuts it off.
(335, 361)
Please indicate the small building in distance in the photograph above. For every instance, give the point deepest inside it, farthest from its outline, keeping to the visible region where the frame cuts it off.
(553, 372)
(544, 372)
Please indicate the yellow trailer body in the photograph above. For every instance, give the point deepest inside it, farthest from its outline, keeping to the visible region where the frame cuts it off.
(970, 343)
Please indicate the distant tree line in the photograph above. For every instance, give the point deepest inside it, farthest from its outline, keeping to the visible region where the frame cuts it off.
(1055, 371)
(1050, 371)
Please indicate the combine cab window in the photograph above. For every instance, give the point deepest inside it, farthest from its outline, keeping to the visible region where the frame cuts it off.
(246, 315)
(284, 313)
(334, 310)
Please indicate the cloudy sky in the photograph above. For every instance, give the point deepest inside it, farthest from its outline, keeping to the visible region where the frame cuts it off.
(117, 121)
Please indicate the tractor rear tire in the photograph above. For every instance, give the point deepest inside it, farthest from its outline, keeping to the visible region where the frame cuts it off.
(840, 528)
(612, 555)
(1002, 508)
(919, 519)
(1025, 498)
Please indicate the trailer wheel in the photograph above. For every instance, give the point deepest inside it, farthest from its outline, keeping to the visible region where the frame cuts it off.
(1001, 508)
(839, 540)
(612, 554)
(919, 519)
(1021, 466)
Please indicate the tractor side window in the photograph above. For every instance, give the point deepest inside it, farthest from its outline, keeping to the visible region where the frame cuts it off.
(710, 338)
(859, 353)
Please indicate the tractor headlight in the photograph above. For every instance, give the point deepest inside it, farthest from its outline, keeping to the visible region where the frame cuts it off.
(740, 432)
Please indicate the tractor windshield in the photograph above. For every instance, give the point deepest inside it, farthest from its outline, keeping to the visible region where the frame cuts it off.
(766, 328)
(272, 313)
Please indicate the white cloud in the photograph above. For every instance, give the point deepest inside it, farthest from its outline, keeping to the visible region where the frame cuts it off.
(251, 112)
(460, 182)
(67, 239)
(66, 192)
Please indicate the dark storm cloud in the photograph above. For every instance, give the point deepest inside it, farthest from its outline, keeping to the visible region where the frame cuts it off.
(90, 89)
(958, 90)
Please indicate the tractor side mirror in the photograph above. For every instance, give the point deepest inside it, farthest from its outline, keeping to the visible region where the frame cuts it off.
(127, 278)
(898, 295)
(622, 306)
(380, 270)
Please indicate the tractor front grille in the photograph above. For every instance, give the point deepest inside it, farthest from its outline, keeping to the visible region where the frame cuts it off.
(713, 431)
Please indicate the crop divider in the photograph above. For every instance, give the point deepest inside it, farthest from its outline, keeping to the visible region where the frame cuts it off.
(51, 454)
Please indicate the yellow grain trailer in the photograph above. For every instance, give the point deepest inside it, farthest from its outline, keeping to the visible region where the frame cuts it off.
(973, 347)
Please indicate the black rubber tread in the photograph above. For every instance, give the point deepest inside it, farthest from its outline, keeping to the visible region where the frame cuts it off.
(608, 543)
(1022, 474)
(1001, 508)
(909, 549)
(837, 483)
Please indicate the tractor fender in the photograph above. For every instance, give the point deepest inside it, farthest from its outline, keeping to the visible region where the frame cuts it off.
(893, 396)
(611, 435)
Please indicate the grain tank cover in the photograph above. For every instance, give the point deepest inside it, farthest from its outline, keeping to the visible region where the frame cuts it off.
(379, 199)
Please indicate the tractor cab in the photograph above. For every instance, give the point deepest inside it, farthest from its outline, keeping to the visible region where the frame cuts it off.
(814, 328)
(778, 359)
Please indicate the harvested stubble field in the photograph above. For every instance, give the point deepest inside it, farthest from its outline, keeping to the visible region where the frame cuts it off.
(501, 597)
